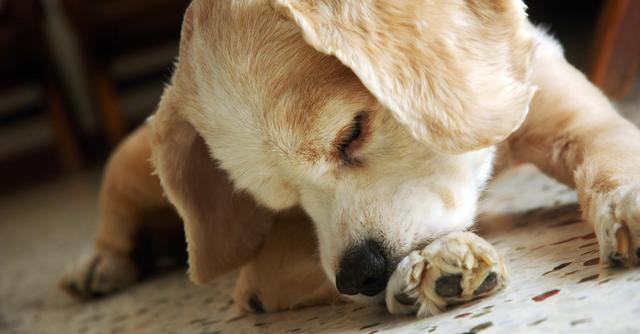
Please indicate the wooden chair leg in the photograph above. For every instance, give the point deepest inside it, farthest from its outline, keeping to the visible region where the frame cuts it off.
(113, 120)
(63, 131)
(617, 47)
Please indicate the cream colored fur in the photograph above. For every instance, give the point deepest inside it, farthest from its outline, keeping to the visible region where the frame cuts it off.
(262, 91)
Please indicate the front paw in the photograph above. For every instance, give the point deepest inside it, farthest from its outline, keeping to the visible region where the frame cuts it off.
(615, 216)
(100, 274)
(453, 269)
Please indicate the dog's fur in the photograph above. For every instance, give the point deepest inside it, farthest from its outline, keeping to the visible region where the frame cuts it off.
(263, 94)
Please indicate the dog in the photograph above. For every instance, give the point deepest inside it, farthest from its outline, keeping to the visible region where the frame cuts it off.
(336, 150)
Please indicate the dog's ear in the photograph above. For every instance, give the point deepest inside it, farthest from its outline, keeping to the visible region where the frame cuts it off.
(457, 73)
(223, 228)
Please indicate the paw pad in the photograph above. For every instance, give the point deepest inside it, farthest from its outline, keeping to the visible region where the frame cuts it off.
(449, 285)
(488, 284)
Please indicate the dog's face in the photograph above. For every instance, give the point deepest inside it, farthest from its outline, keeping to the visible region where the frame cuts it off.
(311, 134)
(374, 130)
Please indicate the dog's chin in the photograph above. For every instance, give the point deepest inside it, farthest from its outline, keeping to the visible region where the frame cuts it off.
(366, 300)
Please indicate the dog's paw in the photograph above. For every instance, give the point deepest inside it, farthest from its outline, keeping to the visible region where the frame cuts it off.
(98, 275)
(452, 269)
(616, 218)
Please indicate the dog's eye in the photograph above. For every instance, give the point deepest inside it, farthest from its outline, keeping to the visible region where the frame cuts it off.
(351, 138)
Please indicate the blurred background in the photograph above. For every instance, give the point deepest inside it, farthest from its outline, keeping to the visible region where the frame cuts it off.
(77, 75)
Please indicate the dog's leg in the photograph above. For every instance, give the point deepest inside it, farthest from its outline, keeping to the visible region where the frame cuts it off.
(128, 191)
(574, 134)
(286, 273)
(455, 268)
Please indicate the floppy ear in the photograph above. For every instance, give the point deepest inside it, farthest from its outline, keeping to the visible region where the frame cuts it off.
(223, 228)
(456, 72)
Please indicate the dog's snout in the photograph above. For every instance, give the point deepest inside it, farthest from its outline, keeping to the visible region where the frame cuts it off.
(363, 269)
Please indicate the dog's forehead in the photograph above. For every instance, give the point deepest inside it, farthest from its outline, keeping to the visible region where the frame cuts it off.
(257, 78)
(258, 94)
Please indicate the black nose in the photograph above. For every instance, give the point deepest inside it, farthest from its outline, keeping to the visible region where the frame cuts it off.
(363, 269)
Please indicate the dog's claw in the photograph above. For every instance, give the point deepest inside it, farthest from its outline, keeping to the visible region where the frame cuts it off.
(256, 304)
(622, 240)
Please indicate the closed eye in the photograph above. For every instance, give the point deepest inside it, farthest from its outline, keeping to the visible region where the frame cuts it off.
(350, 139)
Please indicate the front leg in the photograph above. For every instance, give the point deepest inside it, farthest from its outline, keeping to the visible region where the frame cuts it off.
(453, 269)
(574, 134)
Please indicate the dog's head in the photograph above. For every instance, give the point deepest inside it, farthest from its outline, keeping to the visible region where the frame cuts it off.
(377, 117)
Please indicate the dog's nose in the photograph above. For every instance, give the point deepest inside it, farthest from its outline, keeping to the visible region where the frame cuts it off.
(363, 269)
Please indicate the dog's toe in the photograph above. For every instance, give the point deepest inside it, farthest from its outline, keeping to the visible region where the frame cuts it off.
(616, 218)
(100, 274)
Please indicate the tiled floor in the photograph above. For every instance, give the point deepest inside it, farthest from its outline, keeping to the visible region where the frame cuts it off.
(556, 283)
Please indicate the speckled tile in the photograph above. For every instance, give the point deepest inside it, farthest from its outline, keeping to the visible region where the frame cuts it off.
(556, 282)
(556, 285)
